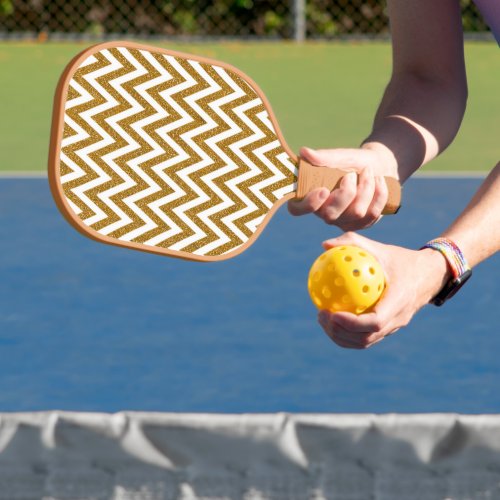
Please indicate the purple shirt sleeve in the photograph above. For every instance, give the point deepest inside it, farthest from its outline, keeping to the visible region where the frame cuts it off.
(490, 9)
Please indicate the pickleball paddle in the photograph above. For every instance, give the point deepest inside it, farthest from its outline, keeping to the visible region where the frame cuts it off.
(172, 153)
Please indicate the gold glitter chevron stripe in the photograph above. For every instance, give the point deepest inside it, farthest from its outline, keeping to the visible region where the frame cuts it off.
(169, 152)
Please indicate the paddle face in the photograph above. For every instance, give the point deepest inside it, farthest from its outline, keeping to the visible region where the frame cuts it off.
(166, 152)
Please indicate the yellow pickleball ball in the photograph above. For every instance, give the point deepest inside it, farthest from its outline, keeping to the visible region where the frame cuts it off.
(346, 278)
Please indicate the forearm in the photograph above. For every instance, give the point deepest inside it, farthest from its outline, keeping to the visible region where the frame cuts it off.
(477, 230)
(416, 120)
(424, 103)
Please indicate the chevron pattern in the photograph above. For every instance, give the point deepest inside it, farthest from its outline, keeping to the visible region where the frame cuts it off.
(169, 152)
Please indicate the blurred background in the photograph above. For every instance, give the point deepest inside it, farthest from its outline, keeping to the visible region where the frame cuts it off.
(264, 19)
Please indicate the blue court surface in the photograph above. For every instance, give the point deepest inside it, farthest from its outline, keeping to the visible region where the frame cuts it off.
(90, 327)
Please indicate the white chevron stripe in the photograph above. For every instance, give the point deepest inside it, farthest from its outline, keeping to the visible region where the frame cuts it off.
(209, 179)
(79, 133)
(185, 173)
(131, 145)
(161, 170)
(73, 207)
(90, 60)
(261, 154)
(236, 147)
(255, 223)
(292, 187)
(84, 153)
(156, 150)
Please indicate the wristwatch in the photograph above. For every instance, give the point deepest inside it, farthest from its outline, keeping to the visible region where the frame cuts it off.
(460, 270)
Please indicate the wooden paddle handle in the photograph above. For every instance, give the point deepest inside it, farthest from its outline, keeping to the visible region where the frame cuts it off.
(311, 177)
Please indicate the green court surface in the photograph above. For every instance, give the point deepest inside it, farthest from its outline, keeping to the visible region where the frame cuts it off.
(324, 95)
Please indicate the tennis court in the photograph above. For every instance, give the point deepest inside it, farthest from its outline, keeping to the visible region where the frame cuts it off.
(86, 327)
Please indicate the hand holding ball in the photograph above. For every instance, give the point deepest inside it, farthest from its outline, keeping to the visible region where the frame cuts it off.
(346, 278)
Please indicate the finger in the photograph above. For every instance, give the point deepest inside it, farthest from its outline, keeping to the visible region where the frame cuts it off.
(336, 158)
(340, 340)
(356, 216)
(380, 197)
(349, 338)
(348, 238)
(344, 344)
(362, 340)
(358, 209)
(375, 209)
(315, 157)
(311, 203)
(339, 199)
(357, 224)
(366, 209)
(338, 334)
(362, 324)
(353, 341)
(382, 320)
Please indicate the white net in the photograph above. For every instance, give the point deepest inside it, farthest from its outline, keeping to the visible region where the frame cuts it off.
(153, 456)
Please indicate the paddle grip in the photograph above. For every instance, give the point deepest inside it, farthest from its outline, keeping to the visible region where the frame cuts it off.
(312, 177)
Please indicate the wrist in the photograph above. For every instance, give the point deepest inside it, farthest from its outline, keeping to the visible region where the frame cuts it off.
(388, 165)
(437, 272)
(457, 265)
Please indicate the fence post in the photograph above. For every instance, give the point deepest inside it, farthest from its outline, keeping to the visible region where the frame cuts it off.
(299, 20)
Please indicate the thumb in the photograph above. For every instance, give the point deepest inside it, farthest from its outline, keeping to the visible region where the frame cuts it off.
(313, 156)
(349, 238)
(349, 159)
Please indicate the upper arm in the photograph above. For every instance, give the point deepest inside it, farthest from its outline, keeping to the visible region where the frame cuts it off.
(427, 39)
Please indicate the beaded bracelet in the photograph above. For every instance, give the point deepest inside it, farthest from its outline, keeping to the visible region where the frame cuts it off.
(459, 267)
(452, 254)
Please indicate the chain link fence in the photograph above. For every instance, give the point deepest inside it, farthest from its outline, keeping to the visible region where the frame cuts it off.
(283, 19)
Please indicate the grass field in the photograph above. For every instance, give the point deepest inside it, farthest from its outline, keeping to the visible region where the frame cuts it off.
(324, 95)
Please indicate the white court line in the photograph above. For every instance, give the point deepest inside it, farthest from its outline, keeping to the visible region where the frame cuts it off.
(454, 174)
(23, 175)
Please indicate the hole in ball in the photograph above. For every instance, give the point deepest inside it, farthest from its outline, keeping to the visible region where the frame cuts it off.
(356, 273)
(346, 299)
(348, 258)
(317, 301)
(366, 289)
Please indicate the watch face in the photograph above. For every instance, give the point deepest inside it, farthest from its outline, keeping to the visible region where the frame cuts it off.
(451, 288)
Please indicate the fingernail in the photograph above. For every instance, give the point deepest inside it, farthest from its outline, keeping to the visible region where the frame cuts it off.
(323, 194)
